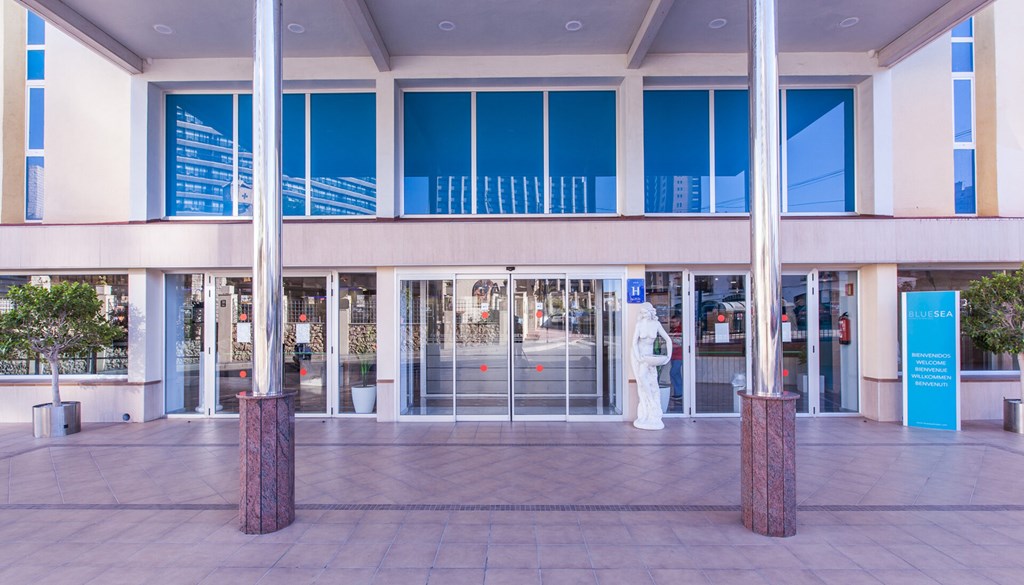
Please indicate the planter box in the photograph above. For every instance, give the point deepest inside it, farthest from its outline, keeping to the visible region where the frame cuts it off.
(105, 399)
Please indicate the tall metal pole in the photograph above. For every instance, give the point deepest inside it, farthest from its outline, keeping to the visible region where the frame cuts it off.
(266, 416)
(768, 421)
(765, 201)
(267, 297)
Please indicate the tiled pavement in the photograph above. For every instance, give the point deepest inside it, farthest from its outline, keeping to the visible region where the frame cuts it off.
(518, 503)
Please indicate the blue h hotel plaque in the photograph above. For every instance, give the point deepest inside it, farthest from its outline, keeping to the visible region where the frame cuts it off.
(931, 360)
(635, 291)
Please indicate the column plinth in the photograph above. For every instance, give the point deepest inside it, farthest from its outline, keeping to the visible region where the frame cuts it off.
(768, 463)
(266, 426)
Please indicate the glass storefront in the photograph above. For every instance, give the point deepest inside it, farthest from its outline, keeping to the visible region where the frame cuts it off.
(357, 340)
(819, 346)
(184, 384)
(495, 346)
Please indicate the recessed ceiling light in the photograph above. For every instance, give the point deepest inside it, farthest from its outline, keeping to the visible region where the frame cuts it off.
(848, 22)
(296, 28)
(163, 29)
(718, 23)
(446, 25)
(573, 25)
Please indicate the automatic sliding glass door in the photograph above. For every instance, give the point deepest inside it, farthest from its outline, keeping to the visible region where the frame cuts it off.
(482, 332)
(539, 348)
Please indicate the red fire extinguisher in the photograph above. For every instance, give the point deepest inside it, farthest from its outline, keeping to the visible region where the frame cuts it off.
(844, 329)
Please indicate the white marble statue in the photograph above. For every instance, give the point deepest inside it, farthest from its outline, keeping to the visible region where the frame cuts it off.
(645, 364)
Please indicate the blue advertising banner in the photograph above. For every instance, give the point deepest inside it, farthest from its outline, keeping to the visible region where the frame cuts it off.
(931, 360)
(635, 290)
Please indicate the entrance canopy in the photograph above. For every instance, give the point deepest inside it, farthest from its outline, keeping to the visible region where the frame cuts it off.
(130, 32)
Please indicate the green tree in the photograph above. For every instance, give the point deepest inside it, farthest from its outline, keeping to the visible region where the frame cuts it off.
(66, 318)
(994, 316)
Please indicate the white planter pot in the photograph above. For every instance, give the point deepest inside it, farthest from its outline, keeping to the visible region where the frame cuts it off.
(364, 398)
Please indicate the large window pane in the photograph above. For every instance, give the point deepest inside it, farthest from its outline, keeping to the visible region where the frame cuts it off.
(36, 118)
(971, 358)
(199, 154)
(665, 292)
(427, 347)
(732, 151)
(819, 150)
(343, 153)
(245, 154)
(963, 119)
(838, 366)
(357, 336)
(581, 148)
(437, 153)
(595, 341)
(293, 167)
(305, 342)
(677, 152)
(510, 152)
(963, 176)
(720, 323)
(184, 362)
(963, 57)
(112, 291)
(34, 170)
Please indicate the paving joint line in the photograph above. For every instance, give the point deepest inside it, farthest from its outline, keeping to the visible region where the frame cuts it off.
(540, 507)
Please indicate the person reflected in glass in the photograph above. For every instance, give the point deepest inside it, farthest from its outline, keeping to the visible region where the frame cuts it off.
(675, 332)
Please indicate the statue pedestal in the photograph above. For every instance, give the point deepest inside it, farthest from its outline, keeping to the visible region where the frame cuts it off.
(266, 425)
(768, 463)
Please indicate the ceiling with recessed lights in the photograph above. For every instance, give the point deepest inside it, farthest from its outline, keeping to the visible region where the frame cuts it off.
(223, 28)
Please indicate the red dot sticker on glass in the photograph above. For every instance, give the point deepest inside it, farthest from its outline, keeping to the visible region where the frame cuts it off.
(721, 318)
(484, 315)
(302, 317)
(303, 372)
(540, 314)
(540, 368)
(785, 318)
(785, 373)
(243, 374)
(483, 368)
(243, 317)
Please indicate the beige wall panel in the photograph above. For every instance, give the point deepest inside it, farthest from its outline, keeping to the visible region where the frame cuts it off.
(12, 93)
(1009, 69)
(923, 133)
(986, 120)
(87, 135)
(541, 242)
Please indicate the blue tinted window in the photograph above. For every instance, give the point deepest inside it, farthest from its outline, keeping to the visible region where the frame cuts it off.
(245, 154)
(437, 153)
(36, 64)
(199, 154)
(581, 144)
(963, 57)
(963, 176)
(343, 153)
(293, 145)
(732, 152)
(36, 34)
(677, 152)
(964, 29)
(510, 152)
(819, 149)
(963, 95)
(34, 187)
(36, 117)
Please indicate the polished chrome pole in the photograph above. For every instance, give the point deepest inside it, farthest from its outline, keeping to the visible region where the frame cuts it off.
(766, 281)
(268, 295)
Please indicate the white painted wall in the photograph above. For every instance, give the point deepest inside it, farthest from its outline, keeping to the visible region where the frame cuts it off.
(922, 133)
(87, 135)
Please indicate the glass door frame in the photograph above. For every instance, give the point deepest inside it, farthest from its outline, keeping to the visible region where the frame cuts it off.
(470, 276)
(526, 272)
(689, 336)
(515, 276)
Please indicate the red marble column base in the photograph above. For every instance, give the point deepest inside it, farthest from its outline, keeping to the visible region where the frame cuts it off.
(266, 443)
(768, 463)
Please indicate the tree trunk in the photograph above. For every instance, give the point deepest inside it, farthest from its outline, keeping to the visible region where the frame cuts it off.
(55, 377)
(1020, 366)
